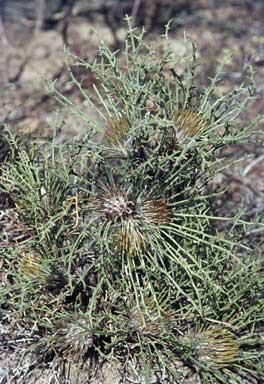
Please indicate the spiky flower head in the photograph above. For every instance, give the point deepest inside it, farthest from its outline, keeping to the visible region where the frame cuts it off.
(188, 124)
(72, 337)
(156, 211)
(33, 266)
(129, 216)
(216, 347)
(116, 131)
(149, 320)
(133, 232)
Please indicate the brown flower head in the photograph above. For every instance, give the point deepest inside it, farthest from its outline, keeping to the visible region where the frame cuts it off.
(217, 347)
(31, 266)
(72, 337)
(116, 131)
(148, 320)
(188, 124)
(129, 217)
(156, 211)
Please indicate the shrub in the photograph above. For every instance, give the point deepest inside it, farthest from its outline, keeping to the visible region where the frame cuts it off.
(108, 248)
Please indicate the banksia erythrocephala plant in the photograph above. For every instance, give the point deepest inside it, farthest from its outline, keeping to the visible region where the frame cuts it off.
(107, 221)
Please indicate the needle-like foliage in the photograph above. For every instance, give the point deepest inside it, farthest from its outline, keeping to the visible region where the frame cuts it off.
(108, 249)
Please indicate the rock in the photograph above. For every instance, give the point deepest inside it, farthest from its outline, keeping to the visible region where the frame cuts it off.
(3, 374)
(45, 58)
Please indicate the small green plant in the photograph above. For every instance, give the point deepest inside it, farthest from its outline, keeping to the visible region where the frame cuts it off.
(109, 252)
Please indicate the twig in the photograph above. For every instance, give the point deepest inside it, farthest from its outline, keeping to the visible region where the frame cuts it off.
(40, 13)
(136, 5)
(252, 165)
(2, 33)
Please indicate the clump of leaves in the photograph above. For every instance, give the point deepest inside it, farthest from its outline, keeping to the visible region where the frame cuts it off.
(117, 256)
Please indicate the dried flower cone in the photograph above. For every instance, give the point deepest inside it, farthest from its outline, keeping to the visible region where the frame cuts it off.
(156, 211)
(114, 206)
(148, 321)
(116, 131)
(132, 238)
(217, 347)
(188, 124)
(128, 216)
(31, 266)
(72, 337)
(117, 208)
